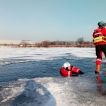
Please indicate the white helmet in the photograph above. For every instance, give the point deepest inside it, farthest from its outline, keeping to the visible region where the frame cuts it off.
(66, 64)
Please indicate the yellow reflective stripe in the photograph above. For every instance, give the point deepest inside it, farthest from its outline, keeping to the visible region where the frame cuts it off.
(99, 39)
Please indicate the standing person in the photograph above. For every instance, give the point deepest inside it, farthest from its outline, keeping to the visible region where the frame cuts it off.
(99, 40)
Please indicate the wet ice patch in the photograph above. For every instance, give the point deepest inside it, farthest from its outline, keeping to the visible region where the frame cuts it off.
(26, 93)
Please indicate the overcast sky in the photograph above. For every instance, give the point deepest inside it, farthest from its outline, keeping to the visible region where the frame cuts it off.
(50, 19)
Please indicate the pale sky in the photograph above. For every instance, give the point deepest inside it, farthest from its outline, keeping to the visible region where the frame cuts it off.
(50, 19)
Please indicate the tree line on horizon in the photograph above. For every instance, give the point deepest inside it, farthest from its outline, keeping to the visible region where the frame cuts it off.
(46, 43)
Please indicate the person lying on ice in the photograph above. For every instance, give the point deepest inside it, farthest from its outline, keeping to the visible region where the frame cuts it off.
(67, 70)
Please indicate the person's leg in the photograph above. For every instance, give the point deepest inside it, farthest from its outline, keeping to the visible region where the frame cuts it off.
(99, 58)
(104, 50)
(75, 74)
(80, 72)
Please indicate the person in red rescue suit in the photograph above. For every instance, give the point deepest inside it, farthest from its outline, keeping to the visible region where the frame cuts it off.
(99, 40)
(67, 70)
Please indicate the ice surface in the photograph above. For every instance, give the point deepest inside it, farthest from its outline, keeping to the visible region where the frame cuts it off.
(16, 55)
(46, 90)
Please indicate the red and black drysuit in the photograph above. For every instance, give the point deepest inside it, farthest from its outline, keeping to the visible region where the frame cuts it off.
(99, 40)
(70, 71)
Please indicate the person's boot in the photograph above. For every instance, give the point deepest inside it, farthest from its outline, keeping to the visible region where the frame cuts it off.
(97, 69)
(98, 66)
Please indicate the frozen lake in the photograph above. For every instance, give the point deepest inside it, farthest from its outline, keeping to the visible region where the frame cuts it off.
(30, 77)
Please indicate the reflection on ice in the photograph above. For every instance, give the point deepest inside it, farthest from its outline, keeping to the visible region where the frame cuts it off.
(101, 84)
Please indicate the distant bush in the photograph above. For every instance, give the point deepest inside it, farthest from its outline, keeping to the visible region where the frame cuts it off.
(79, 43)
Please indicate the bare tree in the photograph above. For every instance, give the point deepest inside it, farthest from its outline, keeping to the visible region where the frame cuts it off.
(80, 40)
